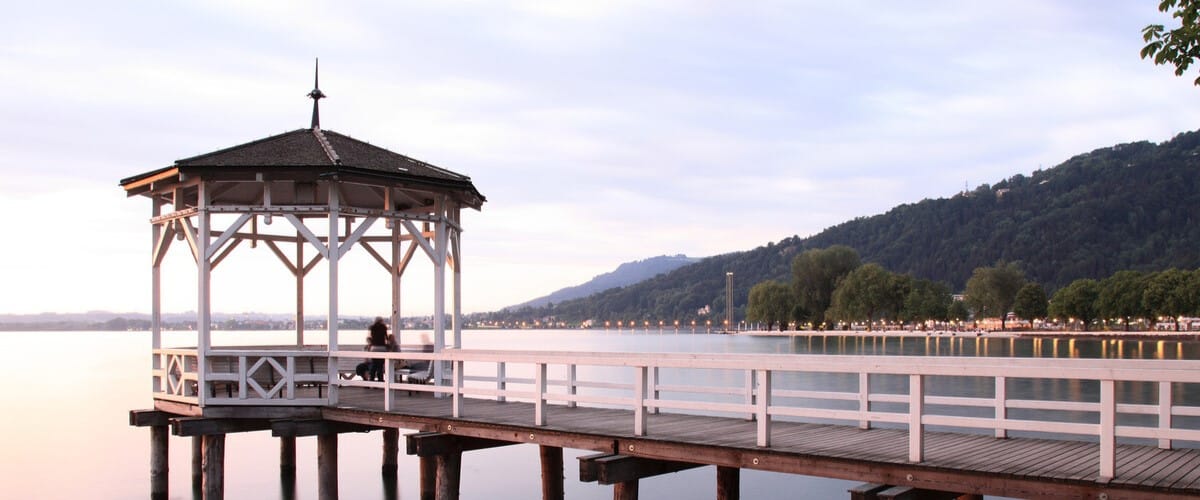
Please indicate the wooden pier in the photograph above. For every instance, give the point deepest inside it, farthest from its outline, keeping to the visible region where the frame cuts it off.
(652, 427)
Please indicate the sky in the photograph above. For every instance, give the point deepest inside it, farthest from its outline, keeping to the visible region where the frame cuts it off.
(600, 132)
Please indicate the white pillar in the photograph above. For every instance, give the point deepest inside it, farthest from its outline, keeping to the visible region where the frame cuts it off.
(203, 292)
(332, 259)
(456, 319)
(395, 270)
(299, 289)
(439, 294)
(155, 293)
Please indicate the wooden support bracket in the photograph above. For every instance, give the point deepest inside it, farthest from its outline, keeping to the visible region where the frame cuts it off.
(610, 469)
(200, 426)
(301, 428)
(429, 444)
(149, 418)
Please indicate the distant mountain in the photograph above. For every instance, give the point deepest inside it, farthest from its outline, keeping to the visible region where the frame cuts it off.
(624, 275)
(1131, 206)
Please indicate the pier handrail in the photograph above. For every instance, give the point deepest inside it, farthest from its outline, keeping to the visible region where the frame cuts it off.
(763, 402)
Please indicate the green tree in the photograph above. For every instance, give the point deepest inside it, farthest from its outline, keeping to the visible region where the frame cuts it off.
(1166, 295)
(1031, 302)
(867, 293)
(816, 274)
(1076, 301)
(1179, 46)
(957, 311)
(771, 303)
(926, 300)
(1121, 296)
(991, 291)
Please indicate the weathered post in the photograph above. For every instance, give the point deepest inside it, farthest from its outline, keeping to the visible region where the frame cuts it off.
(626, 490)
(728, 483)
(391, 452)
(198, 464)
(287, 456)
(428, 477)
(158, 462)
(552, 472)
(449, 470)
(214, 466)
(327, 457)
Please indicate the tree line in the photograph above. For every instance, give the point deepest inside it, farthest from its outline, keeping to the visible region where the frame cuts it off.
(831, 288)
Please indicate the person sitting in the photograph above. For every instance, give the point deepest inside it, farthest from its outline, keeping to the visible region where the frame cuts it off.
(377, 343)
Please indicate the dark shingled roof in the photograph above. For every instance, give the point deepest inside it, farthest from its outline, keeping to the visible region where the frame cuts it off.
(303, 148)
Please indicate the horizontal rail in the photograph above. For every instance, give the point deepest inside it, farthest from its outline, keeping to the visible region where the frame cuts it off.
(764, 387)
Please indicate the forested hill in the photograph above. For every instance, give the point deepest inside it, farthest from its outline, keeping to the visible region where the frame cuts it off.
(1132, 206)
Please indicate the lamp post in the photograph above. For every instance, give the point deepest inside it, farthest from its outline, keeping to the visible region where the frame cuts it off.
(728, 300)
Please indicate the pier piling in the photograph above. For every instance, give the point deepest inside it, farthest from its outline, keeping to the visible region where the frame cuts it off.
(552, 472)
(327, 467)
(158, 462)
(214, 466)
(728, 483)
(391, 452)
(287, 456)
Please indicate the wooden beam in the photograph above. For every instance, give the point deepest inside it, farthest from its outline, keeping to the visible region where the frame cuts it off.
(149, 418)
(427, 444)
(200, 426)
(867, 491)
(613, 469)
(911, 493)
(301, 428)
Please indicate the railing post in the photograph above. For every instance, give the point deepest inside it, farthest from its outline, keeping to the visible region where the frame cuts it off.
(916, 409)
(654, 388)
(539, 385)
(571, 389)
(242, 382)
(1164, 413)
(864, 400)
(456, 382)
(290, 386)
(389, 373)
(501, 384)
(639, 401)
(762, 405)
(1108, 421)
(1001, 404)
(750, 393)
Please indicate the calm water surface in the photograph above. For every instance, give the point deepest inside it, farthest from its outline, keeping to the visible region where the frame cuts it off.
(67, 397)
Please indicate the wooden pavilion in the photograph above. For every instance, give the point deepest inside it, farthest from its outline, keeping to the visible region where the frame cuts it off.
(326, 194)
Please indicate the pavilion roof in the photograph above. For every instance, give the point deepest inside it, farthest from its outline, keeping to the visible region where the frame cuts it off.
(326, 153)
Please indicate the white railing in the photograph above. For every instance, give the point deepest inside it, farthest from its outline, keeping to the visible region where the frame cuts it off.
(251, 376)
(761, 391)
(867, 390)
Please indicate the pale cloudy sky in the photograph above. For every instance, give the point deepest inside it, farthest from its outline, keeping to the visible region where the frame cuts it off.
(601, 132)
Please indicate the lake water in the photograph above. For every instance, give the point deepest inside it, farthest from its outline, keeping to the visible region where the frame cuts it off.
(67, 396)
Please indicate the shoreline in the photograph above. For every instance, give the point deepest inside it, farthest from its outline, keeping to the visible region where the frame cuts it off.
(1102, 335)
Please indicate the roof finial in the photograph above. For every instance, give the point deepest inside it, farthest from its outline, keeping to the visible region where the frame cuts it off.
(316, 94)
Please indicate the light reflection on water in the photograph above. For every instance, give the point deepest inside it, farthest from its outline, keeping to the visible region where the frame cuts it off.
(67, 397)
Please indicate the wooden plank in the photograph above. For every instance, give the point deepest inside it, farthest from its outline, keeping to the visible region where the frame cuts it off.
(1180, 472)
